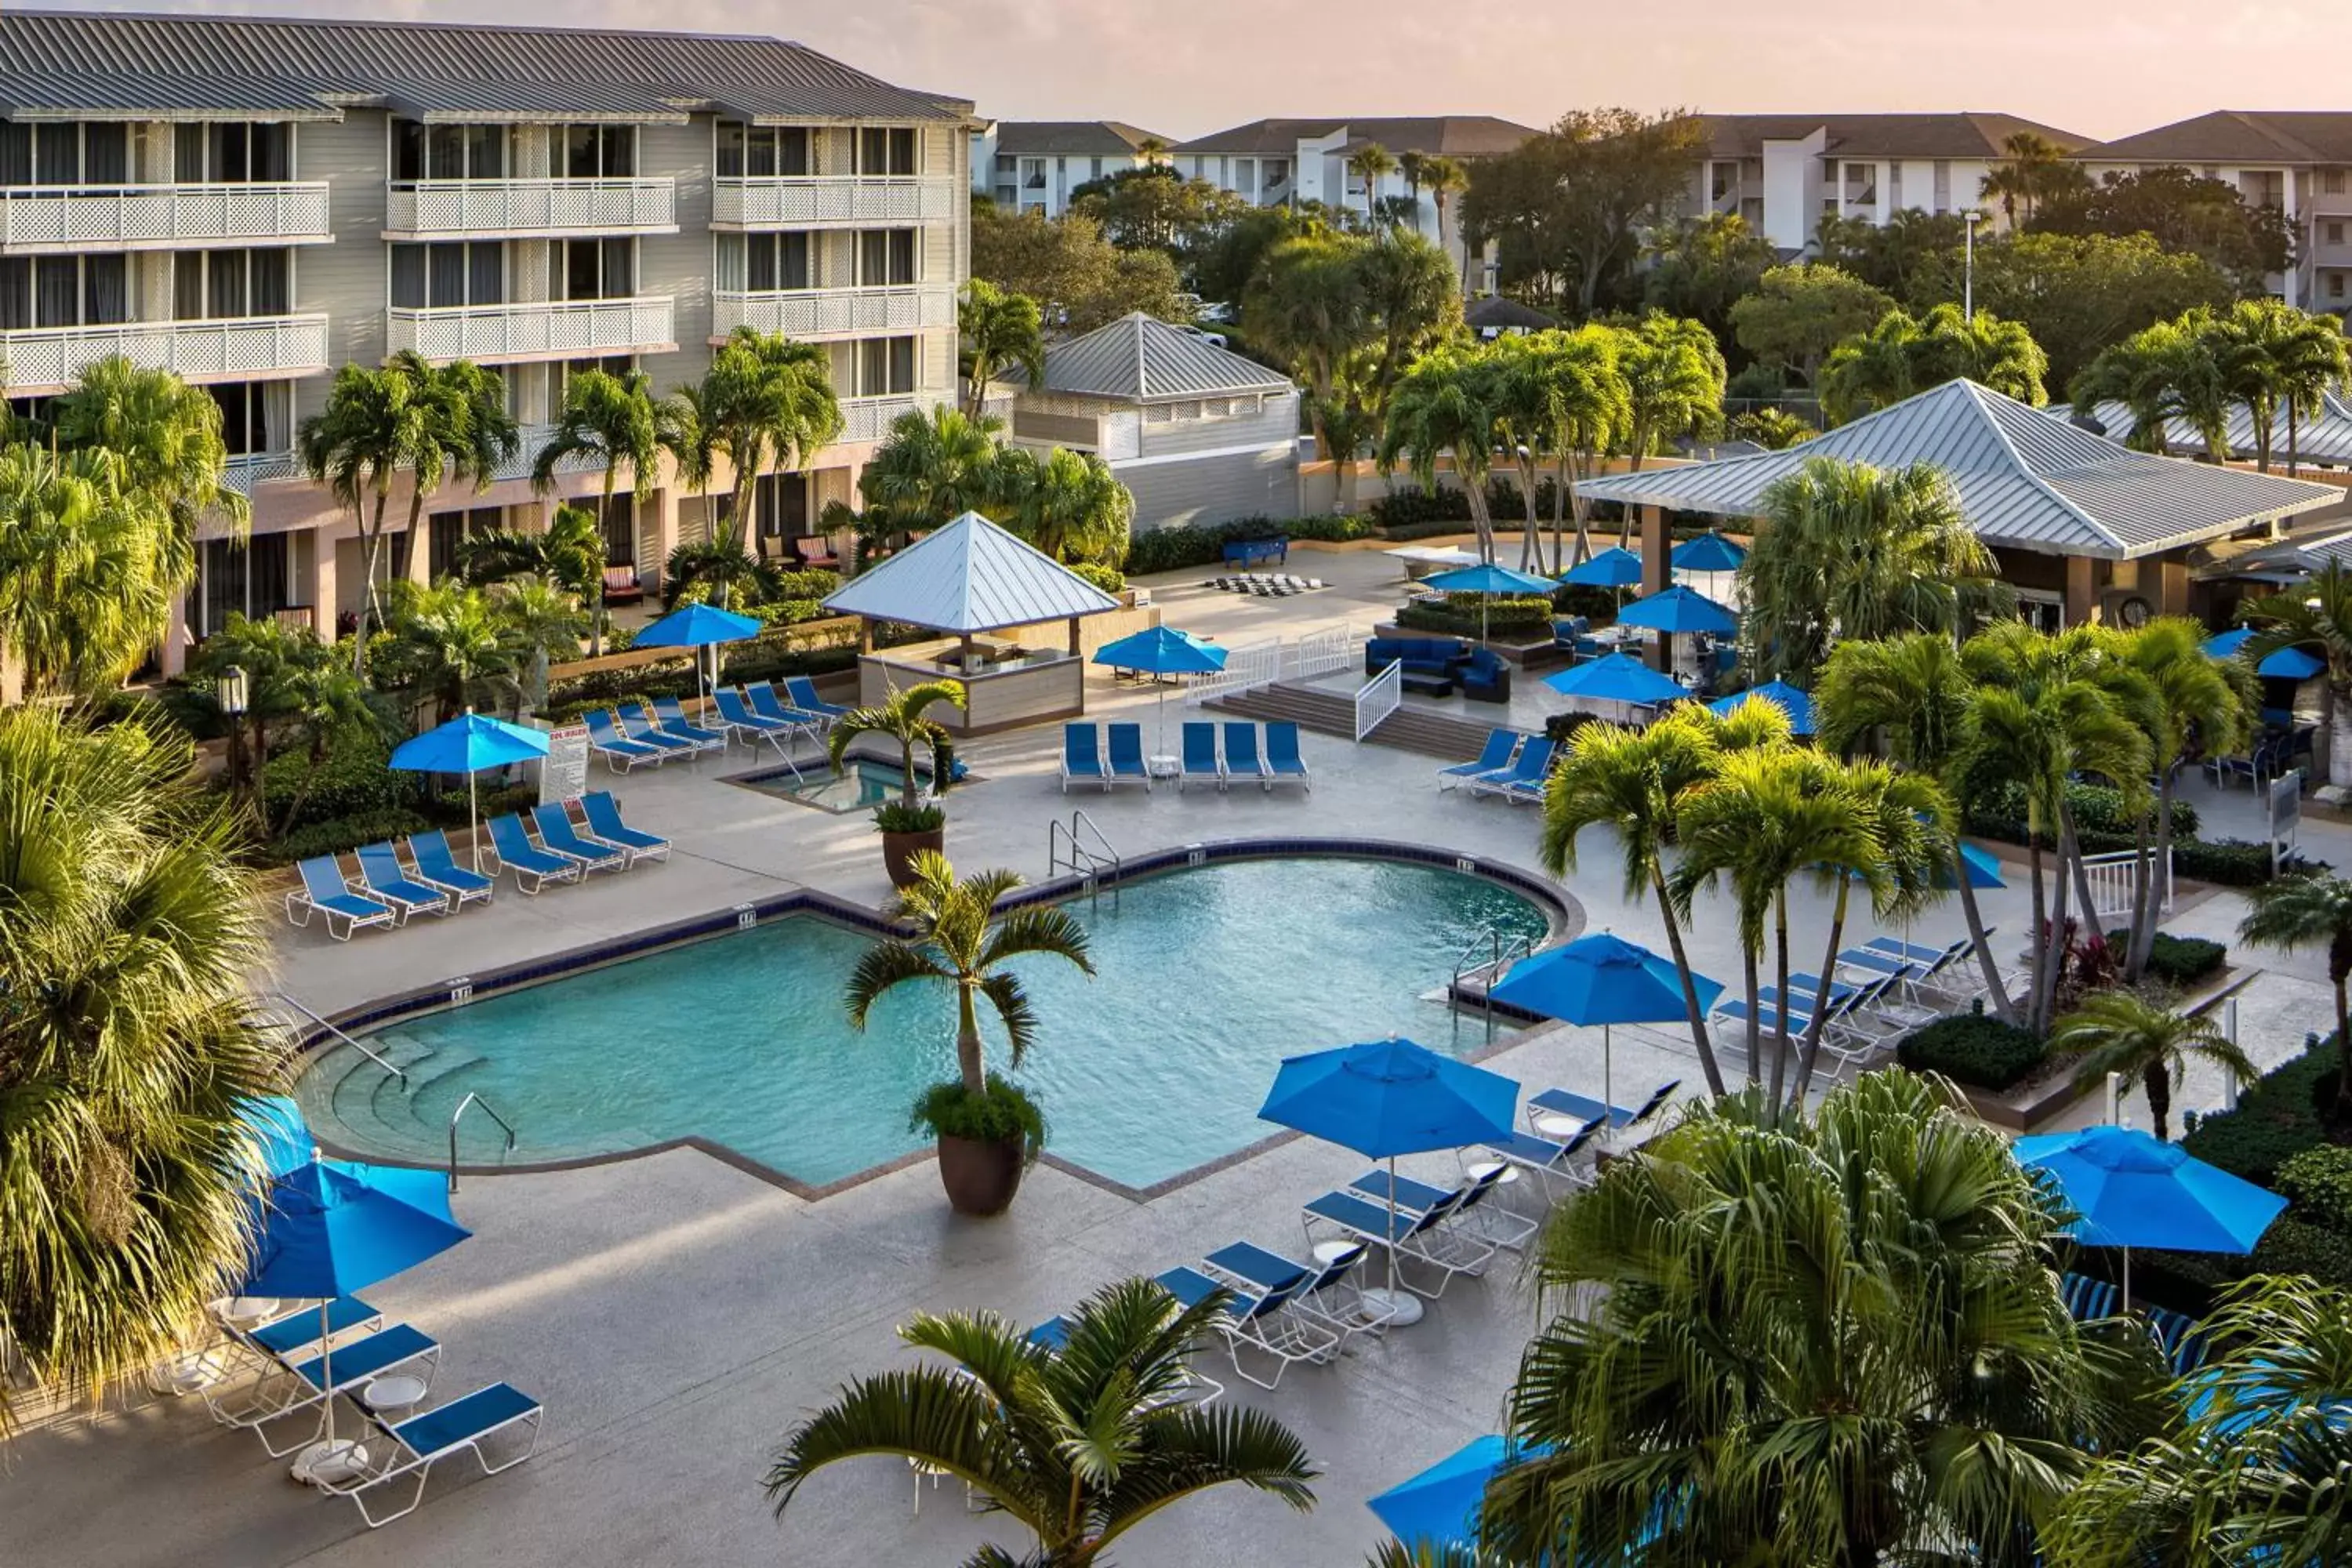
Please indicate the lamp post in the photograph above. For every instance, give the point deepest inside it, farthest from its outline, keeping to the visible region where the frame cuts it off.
(1968, 272)
(231, 694)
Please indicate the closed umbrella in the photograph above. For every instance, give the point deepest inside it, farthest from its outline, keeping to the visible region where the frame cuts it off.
(1795, 702)
(1605, 980)
(1161, 651)
(1486, 580)
(697, 627)
(2132, 1189)
(1386, 1098)
(469, 744)
(330, 1228)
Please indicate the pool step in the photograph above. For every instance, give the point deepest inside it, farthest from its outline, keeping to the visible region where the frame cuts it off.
(1328, 712)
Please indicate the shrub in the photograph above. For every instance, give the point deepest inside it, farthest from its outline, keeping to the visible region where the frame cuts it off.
(1460, 616)
(2180, 960)
(2318, 1182)
(1998, 812)
(2276, 1119)
(1598, 605)
(1109, 579)
(2235, 862)
(352, 779)
(789, 612)
(1203, 544)
(1973, 1048)
(1414, 506)
(451, 810)
(948, 1111)
(1561, 728)
(336, 835)
(1324, 528)
(2292, 1246)
(816, 583)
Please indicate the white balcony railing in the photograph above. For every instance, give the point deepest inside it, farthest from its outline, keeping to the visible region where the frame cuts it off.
(162, 217)
(244, 348)
(868, 418)
(814, 200)
(491, 208)
(246, 469)
(835, 312)
(540, 329)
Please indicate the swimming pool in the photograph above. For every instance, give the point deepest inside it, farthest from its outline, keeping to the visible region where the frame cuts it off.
(1207, 978)
(862, 783)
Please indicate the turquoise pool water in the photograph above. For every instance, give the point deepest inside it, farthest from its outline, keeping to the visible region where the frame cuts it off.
(862, 785)
(1207, 978)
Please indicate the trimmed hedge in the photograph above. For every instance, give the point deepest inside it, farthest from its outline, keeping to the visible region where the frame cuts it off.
(2277, 1119)
(2181, 961)
(1173, 549)
(1414, 506)
(351, 781)
(340, 833)
(1998, 812)
(816, 583)
(1973, 1048)
(1109, 579)
(2292, 1246)
(2318, 1182)
(1460, 616)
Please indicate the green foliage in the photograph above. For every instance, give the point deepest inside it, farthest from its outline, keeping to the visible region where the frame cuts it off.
(2181, 961)
(948, 1110)
(1460, 615)
(1071, 268)
(353, 781)
(337, 834)
(1890, 254)
(1203, 544)
(2276, 1119)
(1109, 579)
(1774, 429)
(2293, 1246)
(897, 817)
(2182, 211)
(1800, 312)
(1996, 809)
(816, 583)
(2318, 1182)
(1702, 267)
(1973, 1048)
(1901, 356)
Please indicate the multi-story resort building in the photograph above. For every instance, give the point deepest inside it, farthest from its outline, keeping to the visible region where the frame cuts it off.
(1034, 166)
(252, 204)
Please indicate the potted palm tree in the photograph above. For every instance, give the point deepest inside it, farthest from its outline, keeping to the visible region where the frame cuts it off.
(988, 1129)
(910, 825)
(1077, 1446)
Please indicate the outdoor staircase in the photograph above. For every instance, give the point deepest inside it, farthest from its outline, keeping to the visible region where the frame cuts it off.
(357, 1105)
(1329, 713)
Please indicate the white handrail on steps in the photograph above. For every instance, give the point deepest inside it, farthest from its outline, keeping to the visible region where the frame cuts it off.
(1254, 664)
(2114, 878)
(1377, 698)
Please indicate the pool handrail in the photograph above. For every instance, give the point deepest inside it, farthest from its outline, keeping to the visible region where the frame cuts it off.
(359, 1045)
(469, 1103)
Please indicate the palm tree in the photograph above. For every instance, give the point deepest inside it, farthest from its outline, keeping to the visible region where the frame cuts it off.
(1306, 307)
(1068, 504)
(962, 940)
(1587, 396)
(769, 402)
(1634, 782)
(2309, 911)
(2182, 695)
(1673, 376)
(2200, 390)
(901, 718)
(456, 428)
(2251, 1466)
(1410, 167)
(2123, 1032)
(569, 551)
(2036, 170)
(999, 329)
(612, 421)
(1528, 427)
(1901, 356)
(1372, 164)
(2315, 615)
(2277, 359)
(450, 647)
(933, 468)
(543, 623)
(1450, 401)
(126, 1173)
(1784, 1341)
(2137, 372)
(85, 568)
(2308, 359)
(1850, 551)
(168, 435)
(1443, 177)
(1080, 1445)
(371, 423)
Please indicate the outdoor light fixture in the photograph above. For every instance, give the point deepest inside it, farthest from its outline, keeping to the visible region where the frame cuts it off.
(232, 691)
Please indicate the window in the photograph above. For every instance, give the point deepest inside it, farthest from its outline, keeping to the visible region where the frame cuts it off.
(1245, 177)
(2335, 285)
(2332, 233)
(781, 502)
(599, 151)
(447, 275)
(1032, 174)
(255, 416)
(1861, 184)
(1943, 185)
(885, 366)
(64, 291)
(761, 152)
(246, 577)
(447, 532)
(593, 269)
(1006, 163)
(2331, 182)
(1096, 175)
(97, 154)
(885, 150)
(1723, 180)
(1278, 171)
(232, 153)
(764, 262)
(886, 256)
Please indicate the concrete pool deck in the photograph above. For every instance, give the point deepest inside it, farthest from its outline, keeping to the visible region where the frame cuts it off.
(676, 1314)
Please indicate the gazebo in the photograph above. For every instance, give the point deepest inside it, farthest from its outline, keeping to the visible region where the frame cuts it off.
(968, 581)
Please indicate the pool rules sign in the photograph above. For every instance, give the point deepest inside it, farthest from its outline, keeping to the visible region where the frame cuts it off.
(564, 774)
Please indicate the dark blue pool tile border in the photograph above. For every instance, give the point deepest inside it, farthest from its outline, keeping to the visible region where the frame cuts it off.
(1564, 915)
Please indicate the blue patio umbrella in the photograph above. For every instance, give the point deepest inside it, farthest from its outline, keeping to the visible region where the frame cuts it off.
(1440, 1506)
(1616, 678)
(276, 1125)
(1605, 980)
(1615, 567)
(1161, 651)
(697, 627)
(1795, 702)
(2132, 1189)
(1984, 871)
(1390, 1097)
(2289, 664)
(1680, 611)
(330, 1228)
(469, 744)
(2225, 645)
(1709, 552)
(1487, 580)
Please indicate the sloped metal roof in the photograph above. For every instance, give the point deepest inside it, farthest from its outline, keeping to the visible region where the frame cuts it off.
(2324, 438)
(1068, 138)
(1968, 133)
(28, 95)
(2024, 481)
(523, 100)
(1141, 359)
(969, 576)
(1458, 136)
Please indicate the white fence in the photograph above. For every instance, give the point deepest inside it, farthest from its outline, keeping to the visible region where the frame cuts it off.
(543, 329)
(1254, 664)
(532, 206)
(49, 359)
(797, 200)
(2113, 879)
(1380, 696)
(835, 312)
(158, 218)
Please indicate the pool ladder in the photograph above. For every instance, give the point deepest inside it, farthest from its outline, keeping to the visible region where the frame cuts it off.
(1067, 845)
(1499, 950)
(472, 1102)
(317, 1022)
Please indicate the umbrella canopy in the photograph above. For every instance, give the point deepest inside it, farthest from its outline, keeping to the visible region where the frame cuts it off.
(1681, 611)
(330, 1228)
(1488, 579)
(1391, 1098)
(1797, 704)
(1616, 678)
(2225, 645)
(1615, 567)
(2289, 664)
(276, 1125)
(469, 744)
(1440, 1506)
(1708, 552)
(2132, 1189)
(1602, 979)
(1162, 650)
(1984, 871)
(697, 625)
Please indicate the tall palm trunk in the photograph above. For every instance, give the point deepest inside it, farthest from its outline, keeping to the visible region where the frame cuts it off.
(1559, 508)
(2070, 850)
(370, 548)
(2159, 879)
(1815, 1026)
(2339, 967)
(2053, 952)
(1707, 1064)
(2038, 938)
(2294, 455)
(967, 1059)
(1780, 991)
(1755, 1034)
(1481, 520)
(403, 555)
(1532, 536)
(596, 600)
(2004, 1008)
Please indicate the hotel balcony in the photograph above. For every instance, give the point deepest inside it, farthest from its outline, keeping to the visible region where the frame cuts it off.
(868, 418)
(246, 469)
(244, 348)
(529, 209)
(534, 330)
(833, 312)
(815, 201)
(49, 218)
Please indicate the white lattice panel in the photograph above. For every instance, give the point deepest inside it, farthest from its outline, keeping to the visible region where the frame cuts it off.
(868, 418)
(247, 349)
(158, 218)
(540, 329)
(817, 200)
(532, 206)
(836, 313)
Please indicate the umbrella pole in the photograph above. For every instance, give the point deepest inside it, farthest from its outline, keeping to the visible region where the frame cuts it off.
(1608, 1097)
(2126, 1278)
(1399, 1306)
(473, 822)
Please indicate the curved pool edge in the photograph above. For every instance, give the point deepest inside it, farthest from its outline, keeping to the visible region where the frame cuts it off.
(1564, 917)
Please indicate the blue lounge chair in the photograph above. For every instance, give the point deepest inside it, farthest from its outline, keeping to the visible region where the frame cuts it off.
(1468, 1200)
(1200, 758)
(603, 814)
(324, 890)
(1333, 1298)
(2086, 1299)
(1053, 1334)
(302, 1385)
(1127, 765)
(1242, 761)
(557, 832)
(417, 1443)
(1495, 759)
(1082, 757)
(437, 865)
(1551, 1161)
(753, 727)
(533, 867)
(1523, 778)
(768, 705)
(802, 692)
(1282, 763)
(1258, 1319)
(639, 725)
(670, 713)
(1423, 1237)
(1568, 1102)
(276, 1346)
(386, 877)
(620, 753)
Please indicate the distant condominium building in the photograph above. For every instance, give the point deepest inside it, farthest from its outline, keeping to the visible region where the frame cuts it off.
(1033, 165)
(254, 203)
(1783, 173)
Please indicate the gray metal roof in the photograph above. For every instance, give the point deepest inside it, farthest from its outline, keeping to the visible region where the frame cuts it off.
(1141, 359)
(334, 62)
(2324, 438)
(522, 99)
(140, 95)
(1072, 137)
(2288, 560)
(969, 576)
(2025, 481)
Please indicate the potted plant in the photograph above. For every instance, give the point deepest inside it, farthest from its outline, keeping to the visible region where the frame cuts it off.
(909, 825)
(988, 1129)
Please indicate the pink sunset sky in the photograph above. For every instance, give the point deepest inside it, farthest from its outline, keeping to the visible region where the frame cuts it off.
(1186, 69)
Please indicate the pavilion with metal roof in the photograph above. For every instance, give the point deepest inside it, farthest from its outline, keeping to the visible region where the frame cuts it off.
(2322, 438)
(1140, 359)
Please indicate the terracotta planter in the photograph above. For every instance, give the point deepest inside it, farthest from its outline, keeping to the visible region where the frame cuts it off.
(980, 1177)
(900, 849)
